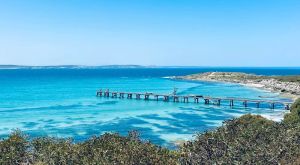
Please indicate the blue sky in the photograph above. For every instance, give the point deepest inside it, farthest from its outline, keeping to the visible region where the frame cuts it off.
(150, 32)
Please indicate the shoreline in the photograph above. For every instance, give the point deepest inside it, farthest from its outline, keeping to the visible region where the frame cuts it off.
(285, 89)
(281, 94)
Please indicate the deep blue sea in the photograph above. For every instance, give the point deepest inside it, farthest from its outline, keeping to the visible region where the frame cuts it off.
(62, 102)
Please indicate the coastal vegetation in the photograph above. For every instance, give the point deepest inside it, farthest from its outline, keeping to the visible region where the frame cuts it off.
(105, 149)
(295, 78)
(250, 139)
(289, 85)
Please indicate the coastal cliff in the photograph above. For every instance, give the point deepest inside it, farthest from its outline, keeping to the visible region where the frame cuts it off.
(286, 85)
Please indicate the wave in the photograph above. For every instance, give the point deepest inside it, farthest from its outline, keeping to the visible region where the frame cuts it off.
(168, 77)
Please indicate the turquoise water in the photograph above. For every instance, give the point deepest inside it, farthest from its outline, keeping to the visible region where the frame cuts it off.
(62, 103)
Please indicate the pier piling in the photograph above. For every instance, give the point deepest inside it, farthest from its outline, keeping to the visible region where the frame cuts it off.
(185, 99)
(175, 99)
(245, 103)
(146, 97)
(166, 98)
(129, 95)
(231, 102)
(206, 101)
(138, 96)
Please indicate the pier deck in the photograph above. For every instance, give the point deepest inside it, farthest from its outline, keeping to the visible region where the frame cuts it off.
(192, 98)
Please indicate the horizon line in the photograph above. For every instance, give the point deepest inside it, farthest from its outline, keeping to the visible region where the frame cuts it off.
(144, 66)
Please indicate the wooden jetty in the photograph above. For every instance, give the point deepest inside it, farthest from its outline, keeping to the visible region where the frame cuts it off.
(192, 98)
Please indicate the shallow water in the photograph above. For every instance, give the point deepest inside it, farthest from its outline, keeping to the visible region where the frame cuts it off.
(62, 103)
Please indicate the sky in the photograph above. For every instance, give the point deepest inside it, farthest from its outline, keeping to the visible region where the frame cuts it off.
(150, 32)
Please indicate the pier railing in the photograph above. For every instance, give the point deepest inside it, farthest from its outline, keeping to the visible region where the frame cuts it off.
(192, 98)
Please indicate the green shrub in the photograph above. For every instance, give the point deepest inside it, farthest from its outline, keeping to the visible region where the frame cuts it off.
(294, 117)
(14, 150)
(105, 149)
(250, 139)
(55, 151)
(114, 149)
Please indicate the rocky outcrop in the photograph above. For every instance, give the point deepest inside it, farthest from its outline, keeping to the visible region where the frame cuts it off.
(273, 83)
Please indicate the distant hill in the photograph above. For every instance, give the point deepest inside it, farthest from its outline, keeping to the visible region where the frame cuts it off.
(91, 67)
(68, 66)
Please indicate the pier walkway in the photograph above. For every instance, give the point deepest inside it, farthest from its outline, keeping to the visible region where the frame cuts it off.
(193, 98)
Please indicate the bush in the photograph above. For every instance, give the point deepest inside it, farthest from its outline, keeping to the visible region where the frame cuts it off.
(114, 149)
(293, 118)
(105, 149)
(14, 149)
(250, 139)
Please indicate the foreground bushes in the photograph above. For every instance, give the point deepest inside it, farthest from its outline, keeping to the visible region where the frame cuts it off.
(250, 139)
(106, 149)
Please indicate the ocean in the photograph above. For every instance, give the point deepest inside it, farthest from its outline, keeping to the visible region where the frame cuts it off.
(63, 103)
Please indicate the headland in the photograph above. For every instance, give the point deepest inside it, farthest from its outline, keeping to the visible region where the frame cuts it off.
(287, 86)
